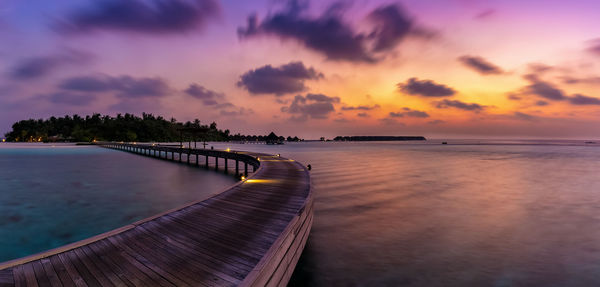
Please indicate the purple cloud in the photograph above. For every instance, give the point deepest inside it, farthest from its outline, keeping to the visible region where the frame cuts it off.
(285, 79)
(207, 96)
(425, 88)
(37, 67)
(360, 108)
(316, 106)
(578, 99)
(409, 113)
(151, 16)
(459, 105)
(480, 65)
(331, 36)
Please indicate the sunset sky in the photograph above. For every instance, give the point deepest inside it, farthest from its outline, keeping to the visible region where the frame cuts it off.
(456, 68)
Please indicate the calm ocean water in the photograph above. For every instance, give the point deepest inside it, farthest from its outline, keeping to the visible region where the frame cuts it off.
(517, 213)
(479, 213)
(51, 196)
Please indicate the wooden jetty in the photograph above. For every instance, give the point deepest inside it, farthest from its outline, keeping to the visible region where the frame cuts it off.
(251, 234)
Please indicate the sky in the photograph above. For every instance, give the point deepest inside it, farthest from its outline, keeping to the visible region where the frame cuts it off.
(440, 69)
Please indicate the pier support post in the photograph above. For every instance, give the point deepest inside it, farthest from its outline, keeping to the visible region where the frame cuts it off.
(188, 157)
(246, 169)
(206, 164)
(237, 167)
(216, 163)
(179, 156)
(197, 163)
(226, 168)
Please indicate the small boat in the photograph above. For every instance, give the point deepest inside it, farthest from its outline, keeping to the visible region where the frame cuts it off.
(444, 142)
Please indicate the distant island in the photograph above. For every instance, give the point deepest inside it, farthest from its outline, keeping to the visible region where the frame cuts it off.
(378, 138)
(129, 128)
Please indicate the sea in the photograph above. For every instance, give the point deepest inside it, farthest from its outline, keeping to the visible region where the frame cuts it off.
(465, 213)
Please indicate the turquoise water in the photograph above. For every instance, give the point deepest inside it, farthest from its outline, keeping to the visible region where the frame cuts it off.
(470, 213)
(51, 196)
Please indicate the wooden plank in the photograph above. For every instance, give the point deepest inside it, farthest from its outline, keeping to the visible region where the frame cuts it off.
(61, 271)
(19, 276)
(113, 275)
(29, 275)
(7, 278)
(50, 272)
(40, 274)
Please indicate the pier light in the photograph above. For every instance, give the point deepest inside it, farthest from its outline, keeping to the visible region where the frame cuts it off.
(134, 143)
(243, 178)
(3, 140)
(278, 155)
(227, 149)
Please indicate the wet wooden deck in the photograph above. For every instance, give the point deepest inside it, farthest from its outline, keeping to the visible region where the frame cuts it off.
(252, 234)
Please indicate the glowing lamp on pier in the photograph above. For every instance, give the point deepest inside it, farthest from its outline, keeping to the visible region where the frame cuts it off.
(227, 149)
(243, 178)
(3, 140)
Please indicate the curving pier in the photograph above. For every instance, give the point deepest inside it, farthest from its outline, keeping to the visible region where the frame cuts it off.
(252, 234)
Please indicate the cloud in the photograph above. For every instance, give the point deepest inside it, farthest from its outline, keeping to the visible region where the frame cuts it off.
(331, 36)
(392, 25)
(578, 99)
(285, 79)
(125, 86)
(69, 98)
(360, 108)
(363, 115)
(513, 97)
(150, 16)
(409, 113)
(241, 111)
(485, 14)
(315, 106)
(459, 105)
(543, 89)
(425, 88)
(207, 96)
(594, 46)
(588, 80)
(37, 67)
(541, 103)
(480, 65)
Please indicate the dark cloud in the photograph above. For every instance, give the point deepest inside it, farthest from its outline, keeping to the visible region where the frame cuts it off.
(207, 96)
(513, 97)
(38, 67)
(330, 35)
(363, 115)
(541, 103)
(150, 16)
(316, 106)
(425, 88)
(459, 105)
(69, 98)
(480, 65)
(285, 79)
(125, 86)
(407, 112)
(578, 99)
(391, 26)
(543, 89)
(360, 108)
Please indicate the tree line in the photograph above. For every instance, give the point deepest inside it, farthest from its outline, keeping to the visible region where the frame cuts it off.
(128, 127)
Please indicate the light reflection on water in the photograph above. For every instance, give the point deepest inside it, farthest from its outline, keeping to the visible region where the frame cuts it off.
(51, 196)
(407, 214)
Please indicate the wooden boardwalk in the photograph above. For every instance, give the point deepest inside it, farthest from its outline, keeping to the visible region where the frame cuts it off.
(252, 234)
